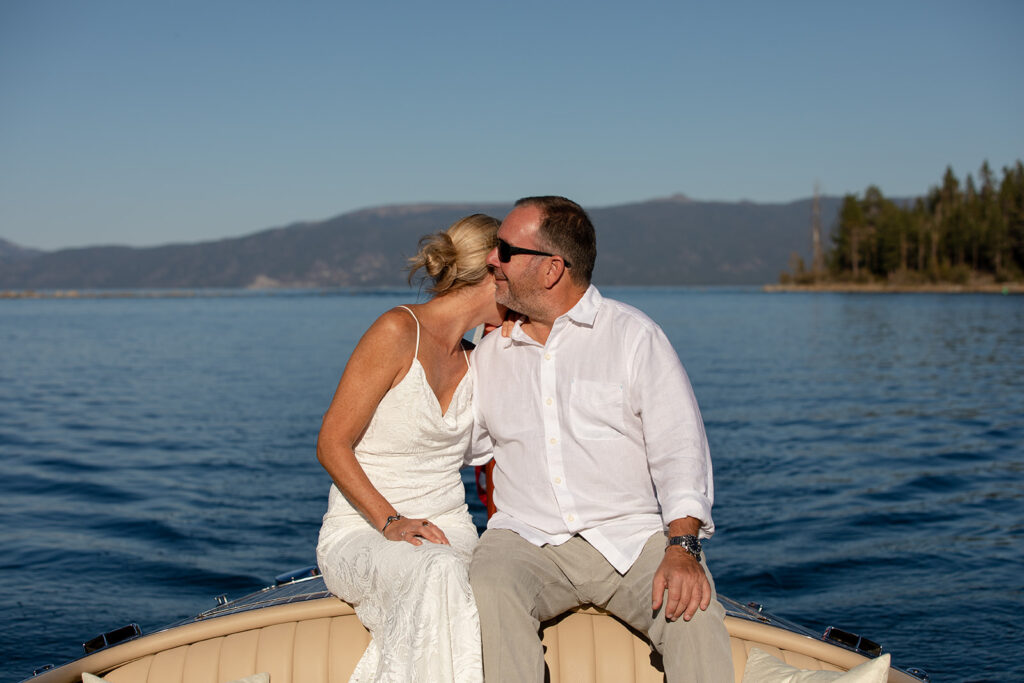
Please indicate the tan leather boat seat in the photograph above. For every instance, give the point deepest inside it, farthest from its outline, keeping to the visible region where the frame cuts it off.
(320, 641)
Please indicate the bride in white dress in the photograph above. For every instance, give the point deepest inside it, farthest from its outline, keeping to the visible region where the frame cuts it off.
(397, 536)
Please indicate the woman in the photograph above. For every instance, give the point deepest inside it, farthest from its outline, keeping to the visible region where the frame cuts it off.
(397, 535)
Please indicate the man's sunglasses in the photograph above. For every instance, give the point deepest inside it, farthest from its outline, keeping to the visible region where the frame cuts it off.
(506, 251)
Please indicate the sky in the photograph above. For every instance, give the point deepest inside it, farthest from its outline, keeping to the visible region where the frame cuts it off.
(146, 123)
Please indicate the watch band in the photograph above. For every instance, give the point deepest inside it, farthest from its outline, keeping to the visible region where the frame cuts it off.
(689, 543)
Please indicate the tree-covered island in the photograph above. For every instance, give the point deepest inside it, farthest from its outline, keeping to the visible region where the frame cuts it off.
(965, 236)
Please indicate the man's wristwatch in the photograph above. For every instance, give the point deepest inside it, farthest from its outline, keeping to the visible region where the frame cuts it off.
(689, 543)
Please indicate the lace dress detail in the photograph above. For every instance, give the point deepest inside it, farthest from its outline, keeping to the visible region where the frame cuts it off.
(415, 600)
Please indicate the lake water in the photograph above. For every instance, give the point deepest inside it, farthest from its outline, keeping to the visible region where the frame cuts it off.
(868, 460)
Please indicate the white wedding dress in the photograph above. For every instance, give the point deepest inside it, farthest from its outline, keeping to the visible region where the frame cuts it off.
(415, 600)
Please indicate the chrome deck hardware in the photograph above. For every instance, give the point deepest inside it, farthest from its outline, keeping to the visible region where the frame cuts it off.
(756, 609)
(296, 574)
(852, 641)
(919, 673)
(118, 635)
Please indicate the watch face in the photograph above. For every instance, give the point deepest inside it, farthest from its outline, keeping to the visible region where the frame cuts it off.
(690, 544)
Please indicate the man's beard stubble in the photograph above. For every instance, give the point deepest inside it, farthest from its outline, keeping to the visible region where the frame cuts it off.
(518, 297)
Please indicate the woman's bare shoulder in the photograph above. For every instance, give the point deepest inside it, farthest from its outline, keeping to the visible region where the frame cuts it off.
(394, 329)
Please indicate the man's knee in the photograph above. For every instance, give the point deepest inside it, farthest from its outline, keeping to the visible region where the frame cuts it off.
(699, 648)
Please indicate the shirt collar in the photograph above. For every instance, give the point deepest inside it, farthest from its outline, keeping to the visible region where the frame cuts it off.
(585, 310)
(583, 313)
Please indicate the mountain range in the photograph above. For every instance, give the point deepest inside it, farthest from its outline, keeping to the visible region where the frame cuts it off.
(671, 241)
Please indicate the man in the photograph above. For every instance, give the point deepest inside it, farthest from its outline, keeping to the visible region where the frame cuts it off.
(599, 449)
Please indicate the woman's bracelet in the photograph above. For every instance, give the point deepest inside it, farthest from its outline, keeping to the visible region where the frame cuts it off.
(392, 518)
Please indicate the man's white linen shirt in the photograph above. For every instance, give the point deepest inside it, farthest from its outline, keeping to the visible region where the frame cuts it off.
(596, 433)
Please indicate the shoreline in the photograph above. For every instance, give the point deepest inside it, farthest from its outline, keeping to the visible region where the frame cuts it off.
(99, 294)
(1004, 288)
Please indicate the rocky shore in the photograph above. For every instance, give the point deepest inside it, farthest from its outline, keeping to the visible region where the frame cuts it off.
(97, 294)
(891, 288)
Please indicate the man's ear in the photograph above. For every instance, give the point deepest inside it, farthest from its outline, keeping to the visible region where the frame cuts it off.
(555, 272)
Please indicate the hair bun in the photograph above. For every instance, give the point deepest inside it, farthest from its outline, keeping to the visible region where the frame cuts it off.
(458, 256)
(439, 256)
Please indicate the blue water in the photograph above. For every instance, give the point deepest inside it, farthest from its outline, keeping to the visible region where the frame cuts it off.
(868, 459)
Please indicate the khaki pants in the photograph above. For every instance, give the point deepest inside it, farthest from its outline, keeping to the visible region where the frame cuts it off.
(518, 585)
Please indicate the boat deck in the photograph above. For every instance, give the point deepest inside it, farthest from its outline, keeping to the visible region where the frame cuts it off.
(301, 634)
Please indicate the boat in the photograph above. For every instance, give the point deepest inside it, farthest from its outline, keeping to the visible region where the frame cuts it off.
(297, 632)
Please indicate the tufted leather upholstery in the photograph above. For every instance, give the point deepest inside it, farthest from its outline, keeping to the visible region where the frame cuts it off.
(320, 641)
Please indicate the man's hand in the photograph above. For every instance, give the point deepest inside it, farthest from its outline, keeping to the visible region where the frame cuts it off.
(688, 588)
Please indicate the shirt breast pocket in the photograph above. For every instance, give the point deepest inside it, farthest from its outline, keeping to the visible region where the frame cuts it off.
(595, 410)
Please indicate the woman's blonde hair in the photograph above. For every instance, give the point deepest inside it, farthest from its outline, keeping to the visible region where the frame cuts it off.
(456, 257)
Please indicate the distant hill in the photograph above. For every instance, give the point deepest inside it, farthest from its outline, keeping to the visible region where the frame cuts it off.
(672, 241)
(11, 252)
(681, 242)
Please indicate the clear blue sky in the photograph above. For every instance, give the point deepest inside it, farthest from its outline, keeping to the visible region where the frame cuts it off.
(145, 123)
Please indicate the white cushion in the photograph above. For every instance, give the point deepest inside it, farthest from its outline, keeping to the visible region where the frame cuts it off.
(764, 668)
(254, 678)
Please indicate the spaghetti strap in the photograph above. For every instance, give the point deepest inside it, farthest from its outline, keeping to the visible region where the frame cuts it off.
(416, 353)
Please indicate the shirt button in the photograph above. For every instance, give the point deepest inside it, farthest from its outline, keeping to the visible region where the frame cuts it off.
(553, 441)
(549, 401)
(558, 480)
(547, 356)
(571, 518)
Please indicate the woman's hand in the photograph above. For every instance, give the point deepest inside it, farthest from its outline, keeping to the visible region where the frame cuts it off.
(509, 324)
(415, 531)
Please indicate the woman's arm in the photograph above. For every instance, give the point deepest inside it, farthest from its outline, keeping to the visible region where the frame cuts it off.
(380, 360)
